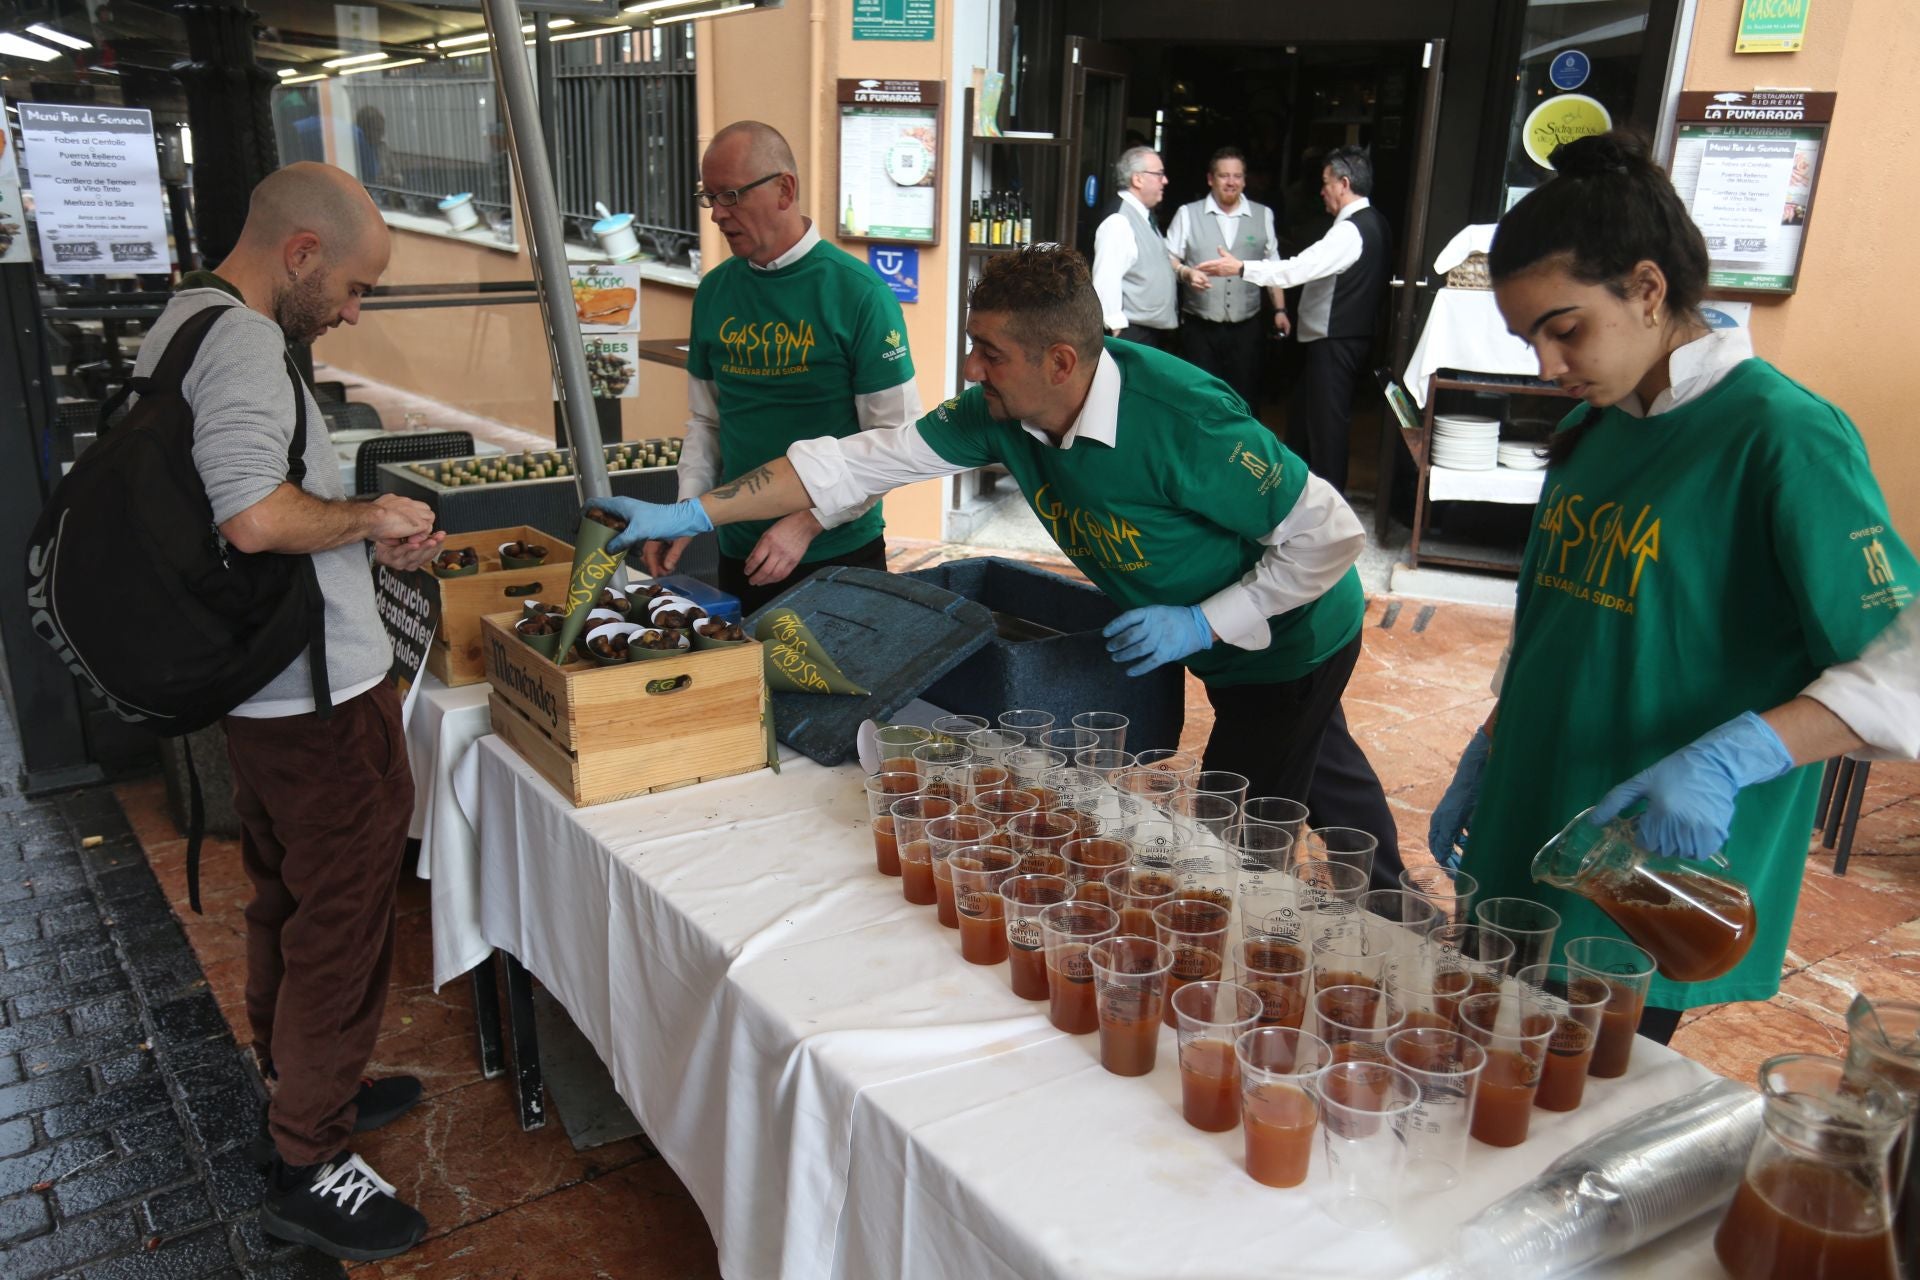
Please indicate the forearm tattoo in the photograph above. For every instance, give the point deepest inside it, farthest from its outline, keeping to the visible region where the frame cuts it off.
(752, 482)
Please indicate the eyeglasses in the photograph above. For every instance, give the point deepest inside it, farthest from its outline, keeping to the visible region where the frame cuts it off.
(1155, 173)
(728, 199)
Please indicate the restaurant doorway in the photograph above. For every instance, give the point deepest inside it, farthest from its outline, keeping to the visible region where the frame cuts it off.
(1284, 106)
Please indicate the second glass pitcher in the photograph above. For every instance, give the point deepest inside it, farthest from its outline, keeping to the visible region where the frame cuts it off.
(1695, 920)
(1813, 1204)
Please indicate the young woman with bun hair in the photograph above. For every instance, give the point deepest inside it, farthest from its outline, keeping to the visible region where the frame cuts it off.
(1709, 540)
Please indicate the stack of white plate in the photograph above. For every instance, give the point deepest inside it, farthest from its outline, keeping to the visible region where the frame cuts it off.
(1519, 455)
(1466, 441)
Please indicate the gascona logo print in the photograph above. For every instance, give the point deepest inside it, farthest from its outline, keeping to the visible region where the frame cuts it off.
(1113, 541)
(766, 348)
(1596, 550)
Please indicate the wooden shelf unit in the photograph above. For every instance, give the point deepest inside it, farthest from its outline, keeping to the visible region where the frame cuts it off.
(1420, 445)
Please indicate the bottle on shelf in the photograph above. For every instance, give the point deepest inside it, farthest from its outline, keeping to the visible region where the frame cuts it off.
(1026, 223)
(976, 233)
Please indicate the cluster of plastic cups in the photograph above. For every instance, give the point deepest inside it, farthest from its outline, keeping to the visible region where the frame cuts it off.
(1399, 1024)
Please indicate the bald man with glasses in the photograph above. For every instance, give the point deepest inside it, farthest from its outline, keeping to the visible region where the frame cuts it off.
(792, 338)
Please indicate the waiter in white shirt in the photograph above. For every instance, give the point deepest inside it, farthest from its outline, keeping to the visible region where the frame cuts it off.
(1220, 327)
(1345, 273)
(1134, 274)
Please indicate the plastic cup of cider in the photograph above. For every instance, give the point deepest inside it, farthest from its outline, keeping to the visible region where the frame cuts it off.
(1130, 988)
(1628, 972)
(1280, 1101)
(883, 791)
(1210, 1016)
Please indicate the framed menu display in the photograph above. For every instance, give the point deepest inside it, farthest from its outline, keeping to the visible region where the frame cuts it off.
(890, 161)
(1746, 164)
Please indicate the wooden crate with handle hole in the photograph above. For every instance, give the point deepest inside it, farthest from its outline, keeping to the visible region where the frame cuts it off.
(605, 733)
(455, 655)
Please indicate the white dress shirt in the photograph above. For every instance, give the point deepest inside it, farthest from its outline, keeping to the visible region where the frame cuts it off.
(1307, 553)
(1228, 225)
(1877, 695)
(1115, 250)
(1331, 254)
(699, 468)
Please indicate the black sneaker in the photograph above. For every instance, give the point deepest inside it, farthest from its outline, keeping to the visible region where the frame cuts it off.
(342, 1208)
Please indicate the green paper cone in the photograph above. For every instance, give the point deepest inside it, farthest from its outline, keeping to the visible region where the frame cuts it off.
(795, 661)
(592, 570)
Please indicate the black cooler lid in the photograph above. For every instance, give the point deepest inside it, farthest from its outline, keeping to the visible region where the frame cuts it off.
(891, 634)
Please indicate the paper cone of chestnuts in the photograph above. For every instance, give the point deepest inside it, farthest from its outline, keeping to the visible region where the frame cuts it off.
(795, 661)
(593, 568)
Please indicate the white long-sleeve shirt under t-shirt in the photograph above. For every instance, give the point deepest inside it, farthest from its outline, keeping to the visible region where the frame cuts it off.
(1877, 695)
(1115, 250)
(699, 468)
(1306, 554)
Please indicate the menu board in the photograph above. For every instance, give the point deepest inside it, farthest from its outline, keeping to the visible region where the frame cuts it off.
(13, 219)
(96, 188)
(606, 298)
(1745, 164)
(890, 161)
(613, 364)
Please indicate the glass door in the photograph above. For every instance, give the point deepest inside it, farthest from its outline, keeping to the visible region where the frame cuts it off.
(1095, 112)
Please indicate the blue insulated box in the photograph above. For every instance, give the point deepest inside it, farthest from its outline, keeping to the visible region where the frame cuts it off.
(717, 603)
(1047, 653)
(890, 634)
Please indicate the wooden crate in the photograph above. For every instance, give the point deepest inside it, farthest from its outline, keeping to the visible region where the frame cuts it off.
(604, 733)
(455, 656)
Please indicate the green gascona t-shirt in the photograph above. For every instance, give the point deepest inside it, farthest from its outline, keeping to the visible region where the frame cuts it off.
(787, 351)
(1173, 512)
(1683, 569)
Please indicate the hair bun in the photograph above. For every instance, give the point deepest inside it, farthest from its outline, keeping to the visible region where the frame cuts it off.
(1613, 152)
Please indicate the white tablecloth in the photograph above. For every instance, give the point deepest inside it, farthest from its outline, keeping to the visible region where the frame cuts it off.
(1464, 331)
(843, 1096)
(441, 727)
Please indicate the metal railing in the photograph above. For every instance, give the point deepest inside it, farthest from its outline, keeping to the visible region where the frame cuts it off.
(624, 113)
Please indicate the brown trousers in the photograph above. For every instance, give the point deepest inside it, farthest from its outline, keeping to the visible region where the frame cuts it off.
(324, 807)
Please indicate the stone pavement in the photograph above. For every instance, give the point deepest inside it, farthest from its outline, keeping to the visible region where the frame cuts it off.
(125, 1105)
(104, 972)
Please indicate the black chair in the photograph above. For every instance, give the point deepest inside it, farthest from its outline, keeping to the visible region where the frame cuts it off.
(1842, 787)
(412, 446)
(330, 392)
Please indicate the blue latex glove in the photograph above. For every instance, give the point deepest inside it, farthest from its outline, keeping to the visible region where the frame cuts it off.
(1690, 794)
(1158, 634)
(647, 521)
(1447, 832)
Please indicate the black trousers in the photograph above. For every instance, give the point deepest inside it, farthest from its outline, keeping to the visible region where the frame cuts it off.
(1290, 739)
(1229, 350)
(1320, 415)
(733, 573)
(1159, 339)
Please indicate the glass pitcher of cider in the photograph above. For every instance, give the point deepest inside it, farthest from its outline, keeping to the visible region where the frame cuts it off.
(1695, 920)
(1883, 1044)
(1813, 1204)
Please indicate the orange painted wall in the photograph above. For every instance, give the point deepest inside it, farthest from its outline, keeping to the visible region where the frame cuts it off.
(1848, 331)
(492, 360)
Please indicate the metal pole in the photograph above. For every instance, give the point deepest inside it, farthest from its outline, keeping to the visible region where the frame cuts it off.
(534, 175)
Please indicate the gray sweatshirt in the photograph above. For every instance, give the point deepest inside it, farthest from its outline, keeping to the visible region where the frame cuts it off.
(243, 418)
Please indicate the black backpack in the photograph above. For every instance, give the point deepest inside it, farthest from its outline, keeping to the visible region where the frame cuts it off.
(130, 581)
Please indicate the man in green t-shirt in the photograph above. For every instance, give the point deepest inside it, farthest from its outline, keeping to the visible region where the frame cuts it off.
(1224, 552)
(792, 338)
